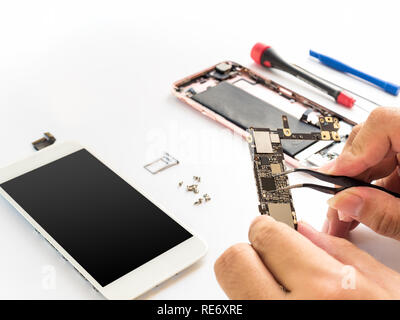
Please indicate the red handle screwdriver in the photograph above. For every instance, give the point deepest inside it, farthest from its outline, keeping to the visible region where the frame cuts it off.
(265, 56)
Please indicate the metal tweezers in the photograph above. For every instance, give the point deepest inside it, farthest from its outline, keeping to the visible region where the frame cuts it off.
(342, 181)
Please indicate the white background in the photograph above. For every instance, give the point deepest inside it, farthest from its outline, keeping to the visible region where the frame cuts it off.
(101, 72)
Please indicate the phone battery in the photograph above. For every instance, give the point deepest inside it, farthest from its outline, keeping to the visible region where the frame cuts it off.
(247, 111)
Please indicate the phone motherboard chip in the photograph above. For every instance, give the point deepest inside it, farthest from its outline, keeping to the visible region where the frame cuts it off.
(281, 212)
(276, 168)
(268, 184)
(262, 141)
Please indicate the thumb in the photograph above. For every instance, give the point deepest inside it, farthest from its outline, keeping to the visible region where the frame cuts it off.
(374, 208)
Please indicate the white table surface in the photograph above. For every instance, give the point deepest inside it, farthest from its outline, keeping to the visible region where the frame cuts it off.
(100, 72)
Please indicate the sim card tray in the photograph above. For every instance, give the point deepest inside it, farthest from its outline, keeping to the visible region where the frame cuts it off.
(44, 142)
(165, 162)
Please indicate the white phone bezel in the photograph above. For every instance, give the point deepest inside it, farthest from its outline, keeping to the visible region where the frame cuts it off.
(137, 281)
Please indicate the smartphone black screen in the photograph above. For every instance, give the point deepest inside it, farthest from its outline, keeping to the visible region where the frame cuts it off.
(98, 218)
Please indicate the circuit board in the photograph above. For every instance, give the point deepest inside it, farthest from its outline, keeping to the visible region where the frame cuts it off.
(239, 99)
(268, 160)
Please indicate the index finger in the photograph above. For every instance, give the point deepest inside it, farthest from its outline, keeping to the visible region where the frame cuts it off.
(378, 137)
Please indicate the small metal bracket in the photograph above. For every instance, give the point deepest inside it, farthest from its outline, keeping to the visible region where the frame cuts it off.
(44, 142)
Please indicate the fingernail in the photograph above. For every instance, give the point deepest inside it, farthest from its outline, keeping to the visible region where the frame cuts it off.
(344, 217)
(348, 206)
(328, 167)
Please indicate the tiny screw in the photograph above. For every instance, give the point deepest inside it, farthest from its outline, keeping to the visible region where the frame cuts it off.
(193, 188)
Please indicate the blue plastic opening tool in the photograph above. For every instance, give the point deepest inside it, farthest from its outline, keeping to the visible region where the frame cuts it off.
(337, 65)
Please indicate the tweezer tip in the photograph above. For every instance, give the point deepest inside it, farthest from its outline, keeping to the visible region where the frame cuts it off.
(284, 173)
(290, 187)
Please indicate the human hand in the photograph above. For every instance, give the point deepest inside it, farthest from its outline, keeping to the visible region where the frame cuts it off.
(372, 152)
(308, 264)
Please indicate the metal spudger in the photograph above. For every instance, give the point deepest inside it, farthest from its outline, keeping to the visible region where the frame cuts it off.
(342, 181)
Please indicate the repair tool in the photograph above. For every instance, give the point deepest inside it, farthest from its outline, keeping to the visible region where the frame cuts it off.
(343, 89)
(264, 55)
(337, 65)
(342, 181)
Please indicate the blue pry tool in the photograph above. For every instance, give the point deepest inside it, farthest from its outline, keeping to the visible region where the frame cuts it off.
(337, 65)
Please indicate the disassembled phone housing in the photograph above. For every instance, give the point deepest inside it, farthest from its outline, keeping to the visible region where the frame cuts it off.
(239, 98)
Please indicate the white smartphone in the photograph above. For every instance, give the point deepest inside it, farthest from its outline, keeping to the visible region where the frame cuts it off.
(109, 230)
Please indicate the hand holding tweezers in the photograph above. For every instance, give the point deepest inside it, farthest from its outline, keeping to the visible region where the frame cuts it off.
(342, 181)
